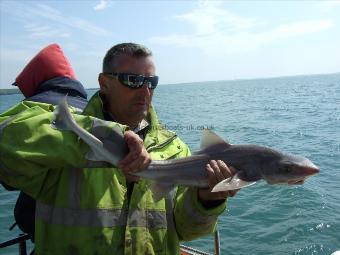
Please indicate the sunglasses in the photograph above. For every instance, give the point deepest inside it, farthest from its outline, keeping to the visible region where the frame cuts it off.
(135, 81)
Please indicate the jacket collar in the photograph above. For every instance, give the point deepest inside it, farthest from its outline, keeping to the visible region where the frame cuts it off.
(156, 135)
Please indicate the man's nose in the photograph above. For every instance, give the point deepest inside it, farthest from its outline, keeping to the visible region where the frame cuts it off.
(145, 88)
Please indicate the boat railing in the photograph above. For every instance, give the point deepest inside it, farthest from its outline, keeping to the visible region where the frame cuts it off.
(20, 240)
(187, 250)
(184, 250)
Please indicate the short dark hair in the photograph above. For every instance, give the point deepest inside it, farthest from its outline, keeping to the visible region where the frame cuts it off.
(111, 59)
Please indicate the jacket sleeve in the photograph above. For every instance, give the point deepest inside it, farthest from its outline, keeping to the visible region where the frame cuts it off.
(191, 218)
(32, 151)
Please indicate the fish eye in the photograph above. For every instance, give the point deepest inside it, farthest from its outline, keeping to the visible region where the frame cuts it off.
(287, 169)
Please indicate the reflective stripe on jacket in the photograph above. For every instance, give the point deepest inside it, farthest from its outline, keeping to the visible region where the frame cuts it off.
(81, 208)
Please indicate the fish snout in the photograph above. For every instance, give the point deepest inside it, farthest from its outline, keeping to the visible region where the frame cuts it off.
(309, 170)
(302, 173)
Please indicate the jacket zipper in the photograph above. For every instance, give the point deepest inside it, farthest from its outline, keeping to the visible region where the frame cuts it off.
(151, 147)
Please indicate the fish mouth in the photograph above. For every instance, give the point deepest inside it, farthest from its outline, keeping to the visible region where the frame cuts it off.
(305, 172)
(296, 182)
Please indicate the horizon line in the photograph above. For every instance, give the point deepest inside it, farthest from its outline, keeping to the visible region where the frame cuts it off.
(245, 79)
(228, 80)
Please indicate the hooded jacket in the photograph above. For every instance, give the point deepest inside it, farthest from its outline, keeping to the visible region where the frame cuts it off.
(51, 91)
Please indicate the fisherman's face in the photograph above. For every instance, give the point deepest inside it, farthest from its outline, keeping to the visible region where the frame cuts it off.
(127, 105)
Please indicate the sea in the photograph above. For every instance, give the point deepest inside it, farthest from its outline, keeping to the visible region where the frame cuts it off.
(299, 115)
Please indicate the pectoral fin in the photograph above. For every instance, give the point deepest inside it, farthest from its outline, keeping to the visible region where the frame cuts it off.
(232, 183)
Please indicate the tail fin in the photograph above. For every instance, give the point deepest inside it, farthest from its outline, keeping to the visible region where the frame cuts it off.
(61, 115)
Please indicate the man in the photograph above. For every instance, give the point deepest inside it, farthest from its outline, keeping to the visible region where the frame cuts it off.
(87, 207)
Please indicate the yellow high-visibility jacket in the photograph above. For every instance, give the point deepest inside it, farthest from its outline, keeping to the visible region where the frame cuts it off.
(82, 208)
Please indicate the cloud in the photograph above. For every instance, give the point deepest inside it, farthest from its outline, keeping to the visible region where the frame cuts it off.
(45, 31)
(42, 15)
(210, 17)
(49, 13)
(103, 4)
(217, 31)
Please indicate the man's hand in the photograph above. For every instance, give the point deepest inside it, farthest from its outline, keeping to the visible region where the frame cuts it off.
(137, 159)
(217, 172)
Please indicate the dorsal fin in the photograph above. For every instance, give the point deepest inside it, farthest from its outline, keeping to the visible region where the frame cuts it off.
(211, 140)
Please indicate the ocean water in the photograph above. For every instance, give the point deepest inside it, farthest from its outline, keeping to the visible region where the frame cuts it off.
(300, 115)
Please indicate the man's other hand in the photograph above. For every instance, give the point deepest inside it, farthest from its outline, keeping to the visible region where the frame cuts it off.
(137, 159)
(217, 171)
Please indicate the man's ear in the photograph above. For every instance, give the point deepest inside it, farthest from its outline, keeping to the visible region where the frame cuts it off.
(103, 83)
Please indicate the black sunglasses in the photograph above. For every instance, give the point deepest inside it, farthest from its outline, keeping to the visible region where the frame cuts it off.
(135, 81)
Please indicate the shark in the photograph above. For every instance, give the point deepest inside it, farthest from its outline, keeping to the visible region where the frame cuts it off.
(253, 162)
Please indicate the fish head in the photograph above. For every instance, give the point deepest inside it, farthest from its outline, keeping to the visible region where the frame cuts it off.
(290, 169)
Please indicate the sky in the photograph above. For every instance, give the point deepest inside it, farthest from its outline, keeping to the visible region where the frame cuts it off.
(191, 41)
